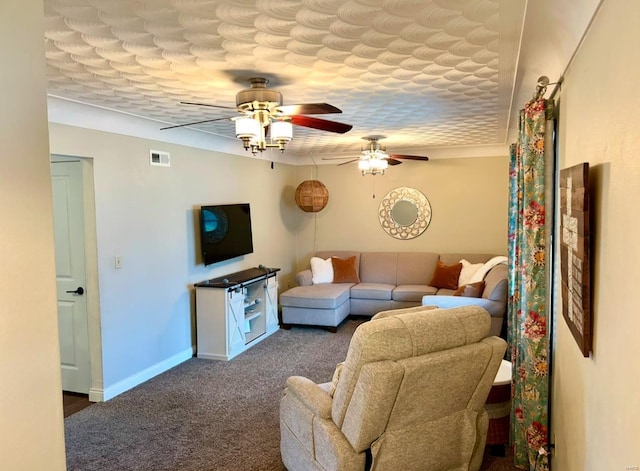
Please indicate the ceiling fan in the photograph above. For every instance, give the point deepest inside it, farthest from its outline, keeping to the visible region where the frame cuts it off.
(265, 122)
(374, 159)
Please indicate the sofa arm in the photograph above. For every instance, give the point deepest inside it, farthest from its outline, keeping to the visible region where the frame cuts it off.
(315, 399)
(304, 278)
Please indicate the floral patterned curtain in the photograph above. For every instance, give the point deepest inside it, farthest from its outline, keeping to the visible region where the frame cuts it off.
(528, 283)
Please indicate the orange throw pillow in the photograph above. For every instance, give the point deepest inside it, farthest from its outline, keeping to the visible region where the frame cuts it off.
(344, 271)
(446, 276)
(472, 290)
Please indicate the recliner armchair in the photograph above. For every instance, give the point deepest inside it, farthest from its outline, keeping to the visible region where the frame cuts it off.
(409, 396)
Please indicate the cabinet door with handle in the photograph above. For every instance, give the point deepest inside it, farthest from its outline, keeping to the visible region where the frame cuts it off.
(271, 304)
(235, 322)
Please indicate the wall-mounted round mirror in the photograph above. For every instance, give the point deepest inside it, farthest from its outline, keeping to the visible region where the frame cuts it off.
(404, 213)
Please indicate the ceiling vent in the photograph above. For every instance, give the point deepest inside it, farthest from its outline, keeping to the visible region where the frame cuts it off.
(159, 158)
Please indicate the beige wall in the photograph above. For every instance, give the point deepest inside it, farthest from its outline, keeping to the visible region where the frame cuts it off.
(31, 423)
(468, 199)
(596, 400)
(148, 216)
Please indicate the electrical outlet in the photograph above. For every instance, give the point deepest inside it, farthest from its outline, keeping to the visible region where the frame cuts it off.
(117, 262)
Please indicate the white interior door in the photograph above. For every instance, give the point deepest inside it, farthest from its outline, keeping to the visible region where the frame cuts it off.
(70, 275)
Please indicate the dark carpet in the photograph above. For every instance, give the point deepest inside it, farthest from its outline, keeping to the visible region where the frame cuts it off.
(209, 415)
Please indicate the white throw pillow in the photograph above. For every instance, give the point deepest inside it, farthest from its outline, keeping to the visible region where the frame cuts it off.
(468, 270)
(321, 270)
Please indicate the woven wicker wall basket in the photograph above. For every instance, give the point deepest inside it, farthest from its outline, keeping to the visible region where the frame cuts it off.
(312, 196)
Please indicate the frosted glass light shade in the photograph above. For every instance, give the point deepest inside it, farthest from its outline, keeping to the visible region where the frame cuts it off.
(247, 128)
(372, 166)
(380, 164)
(281, 131)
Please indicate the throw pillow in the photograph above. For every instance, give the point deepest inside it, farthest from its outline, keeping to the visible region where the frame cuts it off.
(468, 270)
(446, 276)
(321, 270)
(344, 271)
(472, 290)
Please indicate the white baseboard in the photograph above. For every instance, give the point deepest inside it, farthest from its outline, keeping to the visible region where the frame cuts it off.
(101, 395)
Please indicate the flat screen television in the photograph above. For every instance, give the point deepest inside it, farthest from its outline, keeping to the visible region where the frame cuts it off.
(225, 232)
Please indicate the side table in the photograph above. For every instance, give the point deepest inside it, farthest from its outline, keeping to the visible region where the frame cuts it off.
(498, 407)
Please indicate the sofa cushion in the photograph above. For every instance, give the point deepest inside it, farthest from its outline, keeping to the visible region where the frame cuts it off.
(379, 267)
(471, 290)
(411, 292)
(446, 276)
(416, 268)
(344, 271)
(323, 296)
(372, 291)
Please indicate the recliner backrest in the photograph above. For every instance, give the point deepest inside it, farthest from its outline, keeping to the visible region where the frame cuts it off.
(417, 376)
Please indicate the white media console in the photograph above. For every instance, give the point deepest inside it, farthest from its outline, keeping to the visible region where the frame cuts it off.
(236, 311)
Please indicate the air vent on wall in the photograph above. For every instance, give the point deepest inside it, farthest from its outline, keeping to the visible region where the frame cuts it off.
(158, 158)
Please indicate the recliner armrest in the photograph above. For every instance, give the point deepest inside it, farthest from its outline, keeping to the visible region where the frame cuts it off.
(316, 399)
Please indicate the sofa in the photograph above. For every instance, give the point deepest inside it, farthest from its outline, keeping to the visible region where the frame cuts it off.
(409, 395)
(393, 280)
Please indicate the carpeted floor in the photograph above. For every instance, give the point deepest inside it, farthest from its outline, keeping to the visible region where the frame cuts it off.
(209, 415)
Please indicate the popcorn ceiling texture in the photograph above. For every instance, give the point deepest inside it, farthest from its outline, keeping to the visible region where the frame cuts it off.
(422, 72)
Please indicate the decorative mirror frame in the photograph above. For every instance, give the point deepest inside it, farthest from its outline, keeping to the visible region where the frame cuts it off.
(399, 231)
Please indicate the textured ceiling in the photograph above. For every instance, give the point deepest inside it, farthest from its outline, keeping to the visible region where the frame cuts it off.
(424, 73)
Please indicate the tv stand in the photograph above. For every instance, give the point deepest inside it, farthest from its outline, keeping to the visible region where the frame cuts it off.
(236, 311)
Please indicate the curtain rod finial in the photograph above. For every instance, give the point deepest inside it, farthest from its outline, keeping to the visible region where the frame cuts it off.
(543, 81)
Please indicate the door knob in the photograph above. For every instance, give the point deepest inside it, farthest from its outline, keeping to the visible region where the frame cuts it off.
(79, 290)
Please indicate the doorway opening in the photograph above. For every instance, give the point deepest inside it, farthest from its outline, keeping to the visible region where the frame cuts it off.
(77, 278)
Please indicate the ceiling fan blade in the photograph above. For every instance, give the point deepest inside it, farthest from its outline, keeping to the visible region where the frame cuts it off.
(348, 162)
(196, 122)
(409, 157)
(393, 161)
(308, 108)
(322, 124)
(206, 104)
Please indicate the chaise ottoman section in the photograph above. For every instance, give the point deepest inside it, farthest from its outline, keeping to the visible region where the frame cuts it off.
(324, 304)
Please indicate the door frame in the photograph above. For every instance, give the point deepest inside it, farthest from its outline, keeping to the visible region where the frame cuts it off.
(96, 390)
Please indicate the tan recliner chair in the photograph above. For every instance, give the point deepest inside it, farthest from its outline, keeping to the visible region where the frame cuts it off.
(409, 396)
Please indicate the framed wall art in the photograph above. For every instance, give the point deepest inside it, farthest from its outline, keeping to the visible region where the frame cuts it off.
(574, 253)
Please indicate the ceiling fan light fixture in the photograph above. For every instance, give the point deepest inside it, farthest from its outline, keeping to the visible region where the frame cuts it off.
(281, 131)
(372, 166)
(263, 113)
(247, 128)
(363, 165)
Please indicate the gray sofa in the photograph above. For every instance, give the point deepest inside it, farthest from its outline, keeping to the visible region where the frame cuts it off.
(388, 280)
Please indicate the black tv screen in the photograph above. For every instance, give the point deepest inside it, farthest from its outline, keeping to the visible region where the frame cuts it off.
(225, 232)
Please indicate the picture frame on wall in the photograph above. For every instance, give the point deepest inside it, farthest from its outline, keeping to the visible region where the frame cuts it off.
(575, 253)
